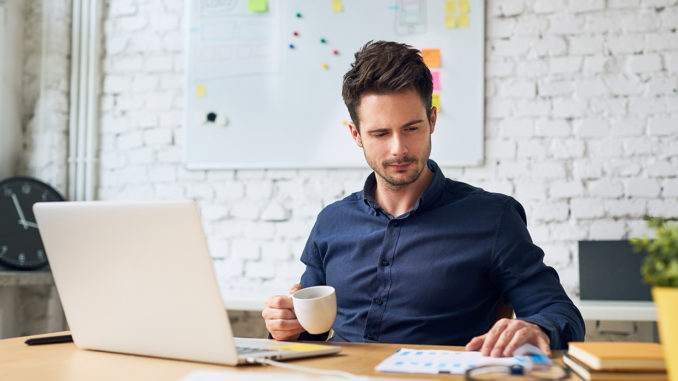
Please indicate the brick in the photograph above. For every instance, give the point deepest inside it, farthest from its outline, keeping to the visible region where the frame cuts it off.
(129, 140)
(501, 27)
(598, 64)
(567, 148)
(503, 187)
(513, 47)
(663, 126)
(603, 148)
(498, 107)
(553, 128)
(670, 188)
(569, 231)
(613, 4)
(625, 86)
(565, 189)
(605, 188)
(517, 127)
(641, 21)
(661, 168)
(169, 191)
(549, 170)
(531, 108)
(143, 155)
(549, 46)
(116, 83)
(585, 45)
(662, 208)
(586, 5)
(645, 106)
(589, 88)
(518, 89)
(565, 24)
(258, 189)
(586, 208)
(158, 136)
(626, 44)
(199, 191)
(139, 118)
(130, 23)
(661, 85)
(640, 146)
(645, 63)
(163, 174)
(246, 209)
(530, 25)
(259, 230)
(260, 270)
(628, 127)
(625, 208)
(506, 7)
(607, 229)
(568, 108)
(122, 8)
(660, 42)
(608, 106)
(591, 127)
(499, 69)
(564, 65)
(554, 87)
(531, 148)
(529, 190)
(622, 167)
(552, 212)
(548, 6)
(501, 149)
(164, 22)
(533, 69)
(639, 187)
(274, 211)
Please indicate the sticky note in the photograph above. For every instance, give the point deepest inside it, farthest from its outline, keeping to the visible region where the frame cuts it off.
(463, 21)
(200, 91)
(450, 21)
(450, 7)
(337, 6)
(435, 101)
(435, 75)
(431, 57)
(257, 6)
(463, 7)
(299, 347)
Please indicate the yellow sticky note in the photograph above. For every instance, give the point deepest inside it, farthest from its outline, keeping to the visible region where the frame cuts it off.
(463, 21)
(200, 91)
(299, 347)
(435, 101)
(257, 6)
(450, 6)
(337, 6)
(450, 21)
(463, 7)
(431, 57)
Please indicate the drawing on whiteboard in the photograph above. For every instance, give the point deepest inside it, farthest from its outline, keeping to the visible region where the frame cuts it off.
(233, 41)
(410, 17)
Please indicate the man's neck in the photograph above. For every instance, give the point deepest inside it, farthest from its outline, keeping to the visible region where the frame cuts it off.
(398, 200)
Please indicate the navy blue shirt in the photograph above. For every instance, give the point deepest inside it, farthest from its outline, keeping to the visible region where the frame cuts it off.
(435, 274)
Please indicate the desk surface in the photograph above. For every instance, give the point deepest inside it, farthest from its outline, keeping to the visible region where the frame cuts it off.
(19, 361)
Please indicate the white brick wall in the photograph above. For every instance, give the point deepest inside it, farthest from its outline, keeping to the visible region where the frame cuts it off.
(581, 127)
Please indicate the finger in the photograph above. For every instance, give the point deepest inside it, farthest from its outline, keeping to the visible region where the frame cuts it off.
(493, 335)
(505, 338)
(544, 343)
(277, 313)
(520, 337)
(290, 326)
(279, 301)
(287, 335)
(296, 287)
(475, 343)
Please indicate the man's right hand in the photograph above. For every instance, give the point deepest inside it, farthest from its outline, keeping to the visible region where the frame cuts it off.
(279, 316)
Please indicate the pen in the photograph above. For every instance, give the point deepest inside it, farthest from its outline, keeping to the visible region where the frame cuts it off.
(49, 340)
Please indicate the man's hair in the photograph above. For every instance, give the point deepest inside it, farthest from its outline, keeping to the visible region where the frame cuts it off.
(384, 67)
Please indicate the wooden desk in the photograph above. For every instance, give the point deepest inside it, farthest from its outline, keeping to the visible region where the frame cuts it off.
(19, 361)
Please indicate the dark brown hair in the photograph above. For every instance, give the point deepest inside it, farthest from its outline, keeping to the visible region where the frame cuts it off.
(384, 67)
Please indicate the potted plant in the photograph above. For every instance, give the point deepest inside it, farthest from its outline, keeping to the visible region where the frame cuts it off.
(660, 269)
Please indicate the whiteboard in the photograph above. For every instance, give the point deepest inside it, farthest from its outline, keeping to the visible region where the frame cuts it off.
(263, 89)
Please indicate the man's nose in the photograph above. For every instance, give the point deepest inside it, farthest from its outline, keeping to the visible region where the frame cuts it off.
(398, 145)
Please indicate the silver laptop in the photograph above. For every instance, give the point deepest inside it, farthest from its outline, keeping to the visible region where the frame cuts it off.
(138, 278)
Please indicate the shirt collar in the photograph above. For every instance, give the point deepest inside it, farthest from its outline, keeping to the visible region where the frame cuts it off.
(426, 200)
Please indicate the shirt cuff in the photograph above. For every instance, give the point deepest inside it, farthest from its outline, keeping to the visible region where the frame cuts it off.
(548, 328)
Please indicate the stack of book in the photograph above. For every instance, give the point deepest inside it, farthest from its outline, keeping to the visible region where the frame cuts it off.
(616, 361)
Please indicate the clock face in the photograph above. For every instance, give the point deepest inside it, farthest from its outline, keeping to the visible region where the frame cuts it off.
(20, 243)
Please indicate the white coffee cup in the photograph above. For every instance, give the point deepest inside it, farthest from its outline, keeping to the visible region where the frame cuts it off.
(316, 308)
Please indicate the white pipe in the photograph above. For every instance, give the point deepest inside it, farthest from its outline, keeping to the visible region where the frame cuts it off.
(82, 99)
(75, 95)
(93, 100)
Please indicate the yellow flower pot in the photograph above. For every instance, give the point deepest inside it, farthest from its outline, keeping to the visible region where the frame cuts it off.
(666, 301)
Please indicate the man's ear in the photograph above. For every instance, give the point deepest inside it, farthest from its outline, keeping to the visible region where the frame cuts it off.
(433, 118)
(355, 134)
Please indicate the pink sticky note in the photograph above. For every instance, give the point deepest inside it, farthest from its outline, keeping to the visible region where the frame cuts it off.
(436, 80)
(435, 75)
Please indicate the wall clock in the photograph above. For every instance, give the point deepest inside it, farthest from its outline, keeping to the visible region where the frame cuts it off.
(20, 244)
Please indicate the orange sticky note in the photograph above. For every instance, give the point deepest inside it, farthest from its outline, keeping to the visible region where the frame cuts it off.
(463, 7)
(200, 91)
(435, 76)
(431, 57)
(435, 101)
(463, 21)
(450, 21)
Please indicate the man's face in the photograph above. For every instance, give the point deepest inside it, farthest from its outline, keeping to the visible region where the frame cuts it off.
(395, 135)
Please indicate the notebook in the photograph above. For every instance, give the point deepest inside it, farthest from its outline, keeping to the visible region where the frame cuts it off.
(590, 374)
(618, 355)
(137, 278)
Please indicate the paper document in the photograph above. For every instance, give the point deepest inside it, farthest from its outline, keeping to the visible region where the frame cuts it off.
(228, 375)
(428, 361)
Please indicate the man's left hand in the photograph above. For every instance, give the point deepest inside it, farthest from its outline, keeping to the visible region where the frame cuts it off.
(506, 335)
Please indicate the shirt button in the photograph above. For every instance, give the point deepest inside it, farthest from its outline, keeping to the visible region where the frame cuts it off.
(384, 263)
(378, 301)
(396, 223)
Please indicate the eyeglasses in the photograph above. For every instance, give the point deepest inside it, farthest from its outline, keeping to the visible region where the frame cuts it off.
(542, 372)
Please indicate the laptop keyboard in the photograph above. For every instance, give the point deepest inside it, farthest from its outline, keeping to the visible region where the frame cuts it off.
(248, 350)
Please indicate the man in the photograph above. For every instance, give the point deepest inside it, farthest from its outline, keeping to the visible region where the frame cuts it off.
(415, 257)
